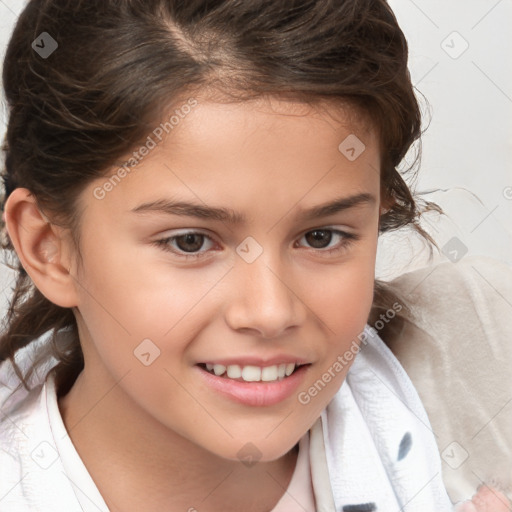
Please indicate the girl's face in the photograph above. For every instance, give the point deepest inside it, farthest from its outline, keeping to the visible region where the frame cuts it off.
(219, 248)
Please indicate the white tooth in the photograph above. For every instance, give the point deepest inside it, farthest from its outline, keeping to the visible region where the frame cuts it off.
(289, 368)
(209, 367)
(269, 373)
(281, 371)
(219, 369)
(251, 373)
(234, 371)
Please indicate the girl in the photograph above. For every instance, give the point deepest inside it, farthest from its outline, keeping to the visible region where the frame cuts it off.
(194, 192)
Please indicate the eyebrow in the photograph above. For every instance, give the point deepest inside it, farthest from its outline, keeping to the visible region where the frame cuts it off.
(189, 209)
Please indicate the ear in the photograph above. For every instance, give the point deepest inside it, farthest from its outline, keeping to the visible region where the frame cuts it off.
(42, 248)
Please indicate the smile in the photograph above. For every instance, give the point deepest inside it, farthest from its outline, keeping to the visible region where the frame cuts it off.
(251, 373)
(255, 392)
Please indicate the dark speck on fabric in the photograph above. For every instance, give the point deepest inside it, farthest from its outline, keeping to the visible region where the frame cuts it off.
(405, 446)
(363, 507)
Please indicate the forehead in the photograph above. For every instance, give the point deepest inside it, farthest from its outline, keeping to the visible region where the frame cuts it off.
(267, 130)
(210, 115)
(277, 150)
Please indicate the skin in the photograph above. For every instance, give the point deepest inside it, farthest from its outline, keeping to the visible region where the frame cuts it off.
(169, 439)
(487, 499)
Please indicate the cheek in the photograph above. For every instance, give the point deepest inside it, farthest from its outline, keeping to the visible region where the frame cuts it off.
(122, 285)
(133, 306)
(343, 294)
(342, 300)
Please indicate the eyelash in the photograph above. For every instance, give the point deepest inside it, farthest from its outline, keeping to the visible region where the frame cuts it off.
(348, 240)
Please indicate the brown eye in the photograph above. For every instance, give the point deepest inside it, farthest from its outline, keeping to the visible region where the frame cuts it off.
(185, 245)
(319, 237)
(190, 242)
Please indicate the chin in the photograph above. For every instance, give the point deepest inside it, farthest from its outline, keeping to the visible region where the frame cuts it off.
(249, 452)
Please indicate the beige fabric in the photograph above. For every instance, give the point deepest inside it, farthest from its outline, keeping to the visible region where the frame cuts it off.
(324, 498)
(457, 350)
(299, 494)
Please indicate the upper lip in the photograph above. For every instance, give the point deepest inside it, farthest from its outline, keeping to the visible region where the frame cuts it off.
(258, 361)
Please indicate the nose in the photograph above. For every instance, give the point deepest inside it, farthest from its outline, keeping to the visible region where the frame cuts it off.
(265, 299)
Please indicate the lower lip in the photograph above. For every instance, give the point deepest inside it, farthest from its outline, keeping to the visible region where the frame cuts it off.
(255, 393)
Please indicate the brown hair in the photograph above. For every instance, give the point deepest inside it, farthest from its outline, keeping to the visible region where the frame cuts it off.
(121, 63)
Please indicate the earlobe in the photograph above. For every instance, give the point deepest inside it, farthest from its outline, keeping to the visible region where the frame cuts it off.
(41, 248)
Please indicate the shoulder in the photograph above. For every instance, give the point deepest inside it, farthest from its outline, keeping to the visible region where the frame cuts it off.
(477, 279)
(32, 475)
(469, 302)
(454, 345)
(23, 427)
(37, 354)
(18, 420)
(18, 417)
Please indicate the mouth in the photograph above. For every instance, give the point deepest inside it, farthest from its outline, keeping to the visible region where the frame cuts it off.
(254, 386)
(251, 373)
